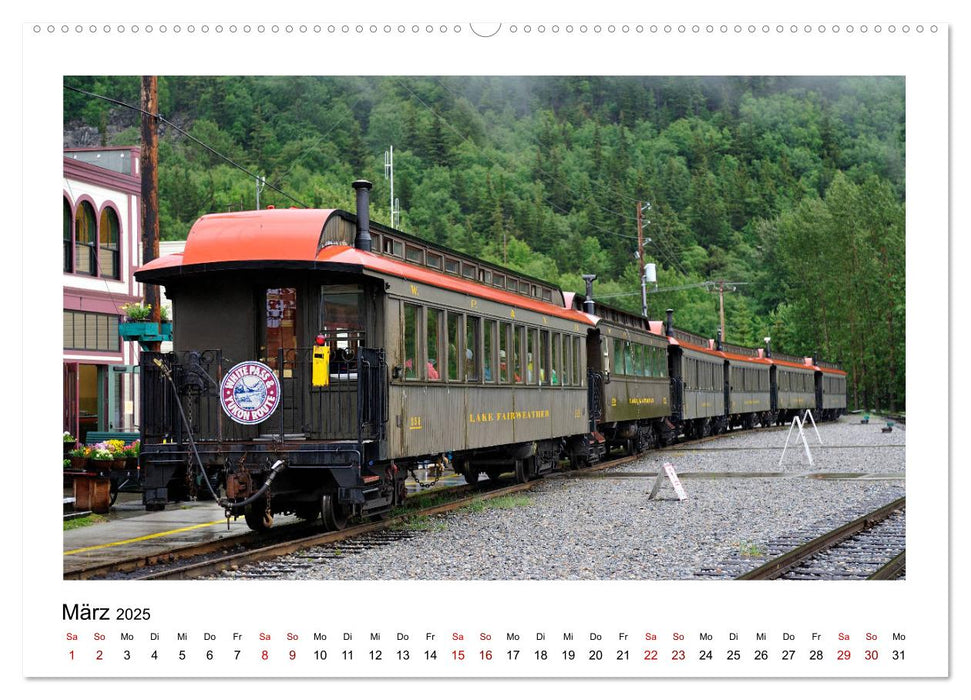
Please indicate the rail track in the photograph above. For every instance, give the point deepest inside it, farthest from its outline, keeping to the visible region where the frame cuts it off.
(208, 558)
(870, 547)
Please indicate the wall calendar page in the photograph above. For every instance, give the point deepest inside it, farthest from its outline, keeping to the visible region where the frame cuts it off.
(455, 347)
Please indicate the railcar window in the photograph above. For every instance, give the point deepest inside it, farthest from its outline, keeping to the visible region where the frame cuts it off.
(499, 281)
(557, 364)
(578, 360)
(618, 356)
(488, 352)
(517, 356)
(505, 330)
(544, 357)
(451, 266)
(468, 271)
(567, 376)
(472, 348)
(393, 247)
(433, 344)
(454, 340)
(433, 260)
(512, 284)
(411, 345)
(280, 332)
(530, 355)
(415, 255)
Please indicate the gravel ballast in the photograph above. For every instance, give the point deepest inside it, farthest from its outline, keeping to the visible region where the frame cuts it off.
(604, 527)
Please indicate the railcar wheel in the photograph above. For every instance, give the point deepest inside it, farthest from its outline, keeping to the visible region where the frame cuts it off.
(258, 517)
(332, 513)
(471, 475)
(522, 470)
(494, 473)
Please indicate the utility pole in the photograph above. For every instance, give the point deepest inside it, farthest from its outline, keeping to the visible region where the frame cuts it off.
(149, 169)
(260, 184)
(733, 286)
(721, 306)
(640, 254)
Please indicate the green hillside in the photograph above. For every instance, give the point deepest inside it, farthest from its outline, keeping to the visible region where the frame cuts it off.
(790, 188)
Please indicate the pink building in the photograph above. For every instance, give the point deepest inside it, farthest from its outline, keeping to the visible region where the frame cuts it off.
(102, 247)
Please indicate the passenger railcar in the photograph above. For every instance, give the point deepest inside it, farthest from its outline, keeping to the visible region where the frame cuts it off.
(793, 386)
(830, 390)
(318, 359)
(311, 373)
(630, 386)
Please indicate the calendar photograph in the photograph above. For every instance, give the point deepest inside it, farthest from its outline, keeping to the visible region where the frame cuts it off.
(484, 328)
(500, 350)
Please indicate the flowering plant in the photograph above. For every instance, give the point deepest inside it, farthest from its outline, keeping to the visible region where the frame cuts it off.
(82, 451)
(137, 311)
(115, 447)
(68, 437)
(101, 453)
(132, 449)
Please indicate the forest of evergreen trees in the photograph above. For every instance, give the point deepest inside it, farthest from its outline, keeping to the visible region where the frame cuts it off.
(792, 189)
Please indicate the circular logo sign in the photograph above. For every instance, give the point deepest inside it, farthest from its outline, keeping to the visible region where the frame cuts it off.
(249, 393)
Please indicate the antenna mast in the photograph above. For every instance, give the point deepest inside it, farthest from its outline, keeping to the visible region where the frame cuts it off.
(389, 175)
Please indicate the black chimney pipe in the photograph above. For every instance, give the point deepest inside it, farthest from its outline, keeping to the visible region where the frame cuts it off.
(588, 302)
(362, 240)
(768, 347)
(669, 330)
(718, 340)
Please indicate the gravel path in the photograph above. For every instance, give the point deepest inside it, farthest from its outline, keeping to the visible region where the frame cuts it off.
(606, 528)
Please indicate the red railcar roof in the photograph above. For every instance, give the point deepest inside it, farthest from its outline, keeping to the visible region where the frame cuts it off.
(294, 235)
(267, 234)
(766, 361)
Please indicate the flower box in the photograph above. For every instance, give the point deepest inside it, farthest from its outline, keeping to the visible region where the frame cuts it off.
(145, 331)
(100, 465)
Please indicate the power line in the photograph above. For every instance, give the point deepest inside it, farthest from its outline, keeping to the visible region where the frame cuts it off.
(188, 136)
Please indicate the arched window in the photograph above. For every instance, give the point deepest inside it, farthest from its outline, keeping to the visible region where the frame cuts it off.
(68, 237)
(108, 250)
(85, 240)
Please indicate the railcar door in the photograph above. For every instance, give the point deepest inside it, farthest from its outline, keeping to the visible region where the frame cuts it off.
(279, 326)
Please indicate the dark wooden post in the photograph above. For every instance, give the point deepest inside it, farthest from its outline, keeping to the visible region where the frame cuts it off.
(149, 168)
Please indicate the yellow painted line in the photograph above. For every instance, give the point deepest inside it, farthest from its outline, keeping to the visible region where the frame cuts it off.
(143, 538)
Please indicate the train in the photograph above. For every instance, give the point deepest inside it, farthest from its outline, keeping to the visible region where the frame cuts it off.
(318, 358)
